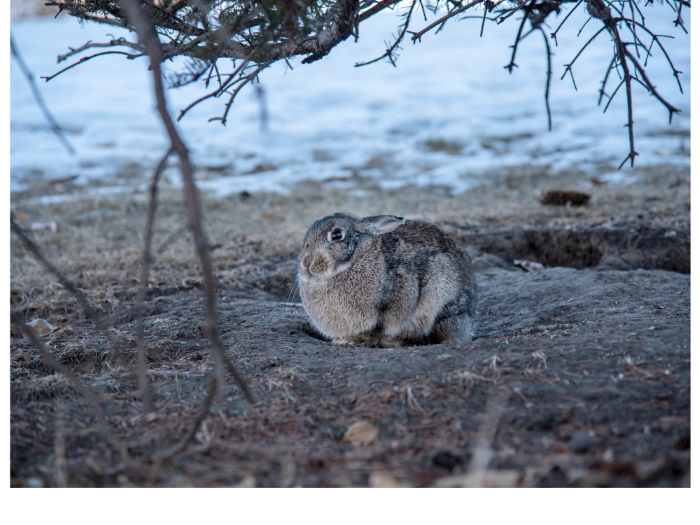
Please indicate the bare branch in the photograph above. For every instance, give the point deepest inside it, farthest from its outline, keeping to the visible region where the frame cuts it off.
(88, 394)
(605, 79)
(391, 50)
(613, 95)
(554, 35)
(549, 78)
(512, 63)
(146, 260)
(419, 34)
(647, 83)
(235, 92)
(375, 9)
(85, 59)
(222, 87)
(89, 45)
(568, 66)
(148, 37)
(39, 99)
(655, 38)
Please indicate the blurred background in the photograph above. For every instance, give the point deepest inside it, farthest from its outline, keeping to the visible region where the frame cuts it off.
(449, 116)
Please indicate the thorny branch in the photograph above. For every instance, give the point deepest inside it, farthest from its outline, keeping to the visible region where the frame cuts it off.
(149, 39)
(257, 33)
(526, 14)
(417, 35)
(390, 53)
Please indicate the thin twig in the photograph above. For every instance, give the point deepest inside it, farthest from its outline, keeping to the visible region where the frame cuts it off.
(244, 80)
(417, 35)
(554, 35)
(605, 79)
(65, 281)
(39, 99)
(88, 394)
(549, 78)
(222, 87)
(655, 38)
(613, 95)
(512, 63)
(149, 38)
(85, 59)
(90, 45)
(375, 9)
(172, 238)
(391, 50)
(146, 260)
(568, 66)
(59, 447)
(621, 53)
(671, 109)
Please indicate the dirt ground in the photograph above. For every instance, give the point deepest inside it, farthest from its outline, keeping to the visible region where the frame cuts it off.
(579, 374)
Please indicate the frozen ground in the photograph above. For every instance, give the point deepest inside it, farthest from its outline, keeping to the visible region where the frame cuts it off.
(448, 114)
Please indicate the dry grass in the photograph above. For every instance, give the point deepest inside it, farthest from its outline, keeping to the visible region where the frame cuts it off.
(99, 238)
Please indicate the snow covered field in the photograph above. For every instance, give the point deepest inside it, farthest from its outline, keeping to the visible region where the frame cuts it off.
(447, 115)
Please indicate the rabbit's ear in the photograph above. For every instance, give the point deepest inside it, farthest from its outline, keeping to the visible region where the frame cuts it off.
(380, 224)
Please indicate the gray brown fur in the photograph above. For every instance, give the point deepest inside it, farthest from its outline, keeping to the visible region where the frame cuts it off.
(388, 282)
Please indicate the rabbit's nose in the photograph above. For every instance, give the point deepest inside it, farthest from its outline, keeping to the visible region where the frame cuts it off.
(306, 261)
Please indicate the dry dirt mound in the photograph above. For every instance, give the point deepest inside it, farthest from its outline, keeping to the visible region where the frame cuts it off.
(592, 369)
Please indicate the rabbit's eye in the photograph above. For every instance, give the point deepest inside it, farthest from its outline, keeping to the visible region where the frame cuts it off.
(336, 235)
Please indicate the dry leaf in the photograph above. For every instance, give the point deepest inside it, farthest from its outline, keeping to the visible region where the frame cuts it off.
(530, 266)
(41, 327)
(361, 433)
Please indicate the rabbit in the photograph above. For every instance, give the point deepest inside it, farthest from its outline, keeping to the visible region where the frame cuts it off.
(384, 281)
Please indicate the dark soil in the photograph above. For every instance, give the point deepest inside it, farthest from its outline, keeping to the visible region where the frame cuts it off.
(591, 360)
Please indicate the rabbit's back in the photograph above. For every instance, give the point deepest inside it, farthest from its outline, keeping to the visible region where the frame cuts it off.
(427, 249)
(429, 283)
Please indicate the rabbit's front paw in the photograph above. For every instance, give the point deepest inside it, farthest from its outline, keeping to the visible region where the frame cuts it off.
(390, 343)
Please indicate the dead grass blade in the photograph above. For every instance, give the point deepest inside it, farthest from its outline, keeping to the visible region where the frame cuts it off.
(65, 282)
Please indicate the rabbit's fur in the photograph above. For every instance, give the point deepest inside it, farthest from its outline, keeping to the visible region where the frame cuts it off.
(384, 281)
